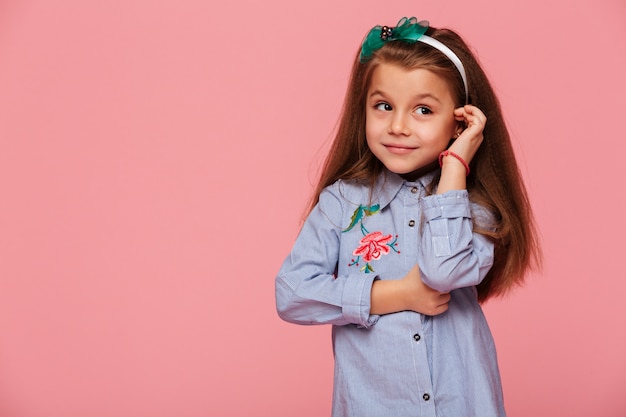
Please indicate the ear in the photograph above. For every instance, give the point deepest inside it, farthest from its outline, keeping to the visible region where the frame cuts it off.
(458, 130)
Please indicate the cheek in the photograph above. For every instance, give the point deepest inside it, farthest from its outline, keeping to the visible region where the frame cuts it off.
(437, 136)
(370, 129)
(444, 131)
(369, 138)
(372, 136)
(452, 125)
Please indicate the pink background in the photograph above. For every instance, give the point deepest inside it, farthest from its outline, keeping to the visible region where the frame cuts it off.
(155, 161)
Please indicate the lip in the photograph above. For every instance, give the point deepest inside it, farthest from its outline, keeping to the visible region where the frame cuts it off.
(399, 149)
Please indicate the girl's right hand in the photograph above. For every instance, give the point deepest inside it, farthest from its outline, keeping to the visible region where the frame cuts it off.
(420, 298)
(407, 294)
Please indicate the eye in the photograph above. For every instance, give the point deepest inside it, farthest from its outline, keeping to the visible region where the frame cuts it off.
(423, 110)
(382, 106)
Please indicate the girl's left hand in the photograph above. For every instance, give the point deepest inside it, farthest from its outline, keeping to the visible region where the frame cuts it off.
(470, 139)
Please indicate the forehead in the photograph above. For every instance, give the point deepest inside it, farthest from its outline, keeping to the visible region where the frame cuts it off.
(392, 79)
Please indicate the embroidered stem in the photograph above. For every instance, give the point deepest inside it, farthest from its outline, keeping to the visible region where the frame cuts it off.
(393, 244)
(355, 262)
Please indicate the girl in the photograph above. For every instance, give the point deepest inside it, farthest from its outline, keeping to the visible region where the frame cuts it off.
(420, 214)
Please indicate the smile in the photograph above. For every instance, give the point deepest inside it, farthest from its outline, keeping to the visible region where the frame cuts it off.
(399, 149)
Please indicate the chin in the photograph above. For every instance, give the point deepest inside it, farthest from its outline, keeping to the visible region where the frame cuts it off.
(412, 175)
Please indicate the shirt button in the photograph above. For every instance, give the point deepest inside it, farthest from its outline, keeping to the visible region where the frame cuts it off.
(414, 190)
(426, 396)
(412, 223)
(417, 337)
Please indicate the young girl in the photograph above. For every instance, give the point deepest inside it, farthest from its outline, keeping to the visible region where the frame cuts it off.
(420, 214)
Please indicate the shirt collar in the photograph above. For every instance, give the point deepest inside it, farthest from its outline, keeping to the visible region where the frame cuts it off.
(389, 184)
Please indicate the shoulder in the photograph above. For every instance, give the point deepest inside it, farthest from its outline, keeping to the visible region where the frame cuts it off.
(339, 200)
(380, 191)
(347, 190)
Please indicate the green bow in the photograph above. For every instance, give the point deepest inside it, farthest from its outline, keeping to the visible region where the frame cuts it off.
(407, 29)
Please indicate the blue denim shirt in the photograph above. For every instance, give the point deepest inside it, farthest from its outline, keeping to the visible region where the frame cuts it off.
(405, 363)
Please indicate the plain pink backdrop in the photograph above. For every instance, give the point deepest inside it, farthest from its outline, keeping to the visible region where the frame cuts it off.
(155, 161)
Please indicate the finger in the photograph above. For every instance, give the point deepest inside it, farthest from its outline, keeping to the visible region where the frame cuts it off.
(475, 120)
(469, 108)
(440, 309)
(460, 114)
(475, 113)
(467, 117)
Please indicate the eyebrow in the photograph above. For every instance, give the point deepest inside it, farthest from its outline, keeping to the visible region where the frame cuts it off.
(416, 97)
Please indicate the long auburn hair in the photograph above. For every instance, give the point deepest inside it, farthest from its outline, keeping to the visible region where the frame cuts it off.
(495, 181)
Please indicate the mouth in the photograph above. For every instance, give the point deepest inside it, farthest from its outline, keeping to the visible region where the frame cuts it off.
(399, 149)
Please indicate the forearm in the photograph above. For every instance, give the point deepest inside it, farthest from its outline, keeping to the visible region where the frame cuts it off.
(407, 294)
(323, 299)
(454, 166)
(387, 297)
(453, 255)
(453, 175)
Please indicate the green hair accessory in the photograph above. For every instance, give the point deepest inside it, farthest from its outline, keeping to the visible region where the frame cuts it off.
(408, 30)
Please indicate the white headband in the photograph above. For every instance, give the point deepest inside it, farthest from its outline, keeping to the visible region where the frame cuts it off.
(409, 30)
(451, 56)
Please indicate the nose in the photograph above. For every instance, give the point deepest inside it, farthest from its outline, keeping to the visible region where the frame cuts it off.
(398, 125)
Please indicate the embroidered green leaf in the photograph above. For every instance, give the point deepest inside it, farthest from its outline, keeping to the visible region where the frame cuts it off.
(356, 217)
(371, 209)
(367, 268)
(358, 214)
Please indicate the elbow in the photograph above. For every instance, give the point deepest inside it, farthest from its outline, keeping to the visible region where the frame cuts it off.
(294, 312)
(283, 302)
(285, 311)
(289, 306)
(447, 283)
(449, 276)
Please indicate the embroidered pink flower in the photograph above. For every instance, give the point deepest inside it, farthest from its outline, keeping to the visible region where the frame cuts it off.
(373, 246)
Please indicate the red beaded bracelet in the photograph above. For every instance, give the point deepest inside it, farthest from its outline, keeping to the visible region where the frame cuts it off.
(448, 152)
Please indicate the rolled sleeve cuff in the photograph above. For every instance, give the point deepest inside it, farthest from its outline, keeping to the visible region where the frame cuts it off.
(356, 300)
(450, 205)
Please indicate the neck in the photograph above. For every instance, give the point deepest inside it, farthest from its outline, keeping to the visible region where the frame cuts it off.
(414, 175)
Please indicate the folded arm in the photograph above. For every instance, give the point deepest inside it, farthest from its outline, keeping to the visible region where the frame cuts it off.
(307, 290)
(451, 254)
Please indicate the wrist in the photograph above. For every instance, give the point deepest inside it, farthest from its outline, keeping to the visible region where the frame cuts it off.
(387, 296)
(452, 160)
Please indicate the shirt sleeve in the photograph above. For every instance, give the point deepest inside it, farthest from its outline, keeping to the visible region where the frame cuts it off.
(307, 290)
(451, 255)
